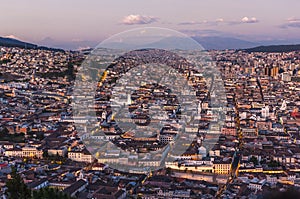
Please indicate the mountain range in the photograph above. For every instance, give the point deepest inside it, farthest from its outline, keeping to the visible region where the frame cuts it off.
(208, 43)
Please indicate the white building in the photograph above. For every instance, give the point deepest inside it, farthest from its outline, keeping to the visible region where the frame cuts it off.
(256, 184)
(81, 156)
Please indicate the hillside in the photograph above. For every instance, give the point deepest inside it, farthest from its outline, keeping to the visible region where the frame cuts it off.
(274, 48)
(8, 42)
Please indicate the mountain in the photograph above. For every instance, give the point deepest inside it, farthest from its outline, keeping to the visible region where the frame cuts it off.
(274, 48)
(208, 43)
(167, 43)
(186, 43)
(273, 42)
(10, 42)
(68, 45)
(222, 43)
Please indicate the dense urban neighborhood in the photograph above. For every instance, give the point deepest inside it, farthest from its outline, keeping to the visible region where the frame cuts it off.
(46, 143)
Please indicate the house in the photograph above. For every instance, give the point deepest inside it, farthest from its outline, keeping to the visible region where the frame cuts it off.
(272, 179)
(75, 188)
(256, 184)
(174, 194)
(98, 167)
(38, 184)
(228, 131)
(109, 192)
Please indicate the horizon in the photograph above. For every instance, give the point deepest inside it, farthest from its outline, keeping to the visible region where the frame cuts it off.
(249, 45)
(71, 24)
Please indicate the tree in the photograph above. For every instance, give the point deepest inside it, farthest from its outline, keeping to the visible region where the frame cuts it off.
(254, 160)
(45, 153)
(16, 188)
(40, 136)
(49, 193)
(168, 171)
(263, 161)
(273, 163)
(5, 131)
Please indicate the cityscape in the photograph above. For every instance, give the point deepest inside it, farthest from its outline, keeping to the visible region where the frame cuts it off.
(176, 116)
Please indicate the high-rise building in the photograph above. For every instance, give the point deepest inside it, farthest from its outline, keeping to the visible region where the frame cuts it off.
(274, 71)
(265, 112)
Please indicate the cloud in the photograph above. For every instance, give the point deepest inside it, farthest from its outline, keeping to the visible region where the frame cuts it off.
(210, 23)
(249, 20)
(219, 21)
(291, 23)
(192, 23)
(202, 33)
(206, 22)
(80, 48)
(138, 19)
(244, 20)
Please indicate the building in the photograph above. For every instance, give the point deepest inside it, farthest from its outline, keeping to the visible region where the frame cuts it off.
(81, 156)
(30, 152)
(286, 77)
(76, 187)
(256, 184)
(38, 184)
(221, 167)
(62, 151)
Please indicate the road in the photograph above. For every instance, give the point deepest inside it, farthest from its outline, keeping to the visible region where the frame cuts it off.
(237, 155)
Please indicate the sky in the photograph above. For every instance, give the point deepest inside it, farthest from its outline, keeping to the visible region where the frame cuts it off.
(63, 21)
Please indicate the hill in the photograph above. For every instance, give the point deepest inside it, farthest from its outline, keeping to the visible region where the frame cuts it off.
(275, 48)
(222, 43)
(8, 42)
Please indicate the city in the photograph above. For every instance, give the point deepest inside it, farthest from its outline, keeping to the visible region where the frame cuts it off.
(150, 99)
(257, 151)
